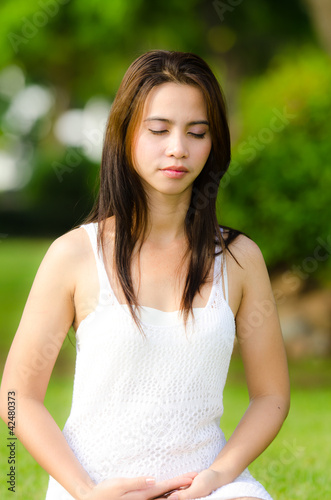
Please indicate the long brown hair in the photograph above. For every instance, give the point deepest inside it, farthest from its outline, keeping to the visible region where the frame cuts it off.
(121, 192)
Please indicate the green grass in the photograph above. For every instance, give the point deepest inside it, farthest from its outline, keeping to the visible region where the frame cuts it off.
(296, 464)
(19, 261)
(31, 479)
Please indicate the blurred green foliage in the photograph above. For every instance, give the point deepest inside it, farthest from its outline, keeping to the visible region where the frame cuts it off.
(278, 187)
(84, 47)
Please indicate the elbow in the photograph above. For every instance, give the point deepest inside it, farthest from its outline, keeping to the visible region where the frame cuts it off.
(284, 407)
(285, 399)
(287, 405)
(276, 403)
(282, 396)
(283, 403)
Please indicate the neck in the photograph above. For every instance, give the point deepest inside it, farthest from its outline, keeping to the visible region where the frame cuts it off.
(166, 221)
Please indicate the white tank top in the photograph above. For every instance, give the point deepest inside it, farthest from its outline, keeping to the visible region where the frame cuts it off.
(151, 405)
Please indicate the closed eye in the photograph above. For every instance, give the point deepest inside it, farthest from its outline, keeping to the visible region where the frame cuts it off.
(198, 136)
(157, 132)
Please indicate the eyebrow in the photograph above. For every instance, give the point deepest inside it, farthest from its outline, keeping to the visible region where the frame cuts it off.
(158, 118)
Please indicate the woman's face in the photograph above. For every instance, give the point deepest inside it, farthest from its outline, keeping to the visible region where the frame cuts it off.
(172, 142)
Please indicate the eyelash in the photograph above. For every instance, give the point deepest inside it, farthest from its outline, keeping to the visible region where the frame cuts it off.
(196, 136)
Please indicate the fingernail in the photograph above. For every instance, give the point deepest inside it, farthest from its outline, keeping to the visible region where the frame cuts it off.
(150, 481)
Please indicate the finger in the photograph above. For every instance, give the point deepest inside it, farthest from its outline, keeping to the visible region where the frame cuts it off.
(193, 491)
(181, 480)
(166, 495)
(168, 485)
(139, 483)
(189, 495)
(174, 484)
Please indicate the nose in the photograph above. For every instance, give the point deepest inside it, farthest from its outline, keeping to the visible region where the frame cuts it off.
(177, 146)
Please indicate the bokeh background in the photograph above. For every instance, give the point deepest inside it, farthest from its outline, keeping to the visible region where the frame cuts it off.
(61, 62)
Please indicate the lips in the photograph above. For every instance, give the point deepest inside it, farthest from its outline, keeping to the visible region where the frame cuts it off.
(174, 172)
(176, 169)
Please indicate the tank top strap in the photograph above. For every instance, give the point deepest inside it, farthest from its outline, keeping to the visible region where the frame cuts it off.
(92, 231)
(224, 274)
(220, 274)
(225, 287)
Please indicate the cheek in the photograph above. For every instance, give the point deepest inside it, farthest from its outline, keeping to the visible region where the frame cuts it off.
(204, 151)
(144, 150)
(138, 153)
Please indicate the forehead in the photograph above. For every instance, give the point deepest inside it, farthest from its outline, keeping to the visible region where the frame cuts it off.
(171, 100)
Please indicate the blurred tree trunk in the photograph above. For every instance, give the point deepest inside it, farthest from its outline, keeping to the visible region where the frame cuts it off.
(321, 15)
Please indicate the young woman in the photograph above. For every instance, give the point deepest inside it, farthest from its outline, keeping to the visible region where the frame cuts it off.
(156, 291)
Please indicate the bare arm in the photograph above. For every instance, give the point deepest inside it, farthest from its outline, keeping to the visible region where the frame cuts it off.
(264, 358)
(47, 317)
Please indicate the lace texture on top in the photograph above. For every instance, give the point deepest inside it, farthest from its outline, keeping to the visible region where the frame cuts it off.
(150, 406)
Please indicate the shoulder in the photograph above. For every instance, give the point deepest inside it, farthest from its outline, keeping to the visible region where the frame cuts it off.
(66, 254)
(246, 250)
(239, 242)
(246, 260)
(70, 245)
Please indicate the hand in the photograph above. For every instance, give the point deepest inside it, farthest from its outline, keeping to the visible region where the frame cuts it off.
(202, 485)
(136, 488)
